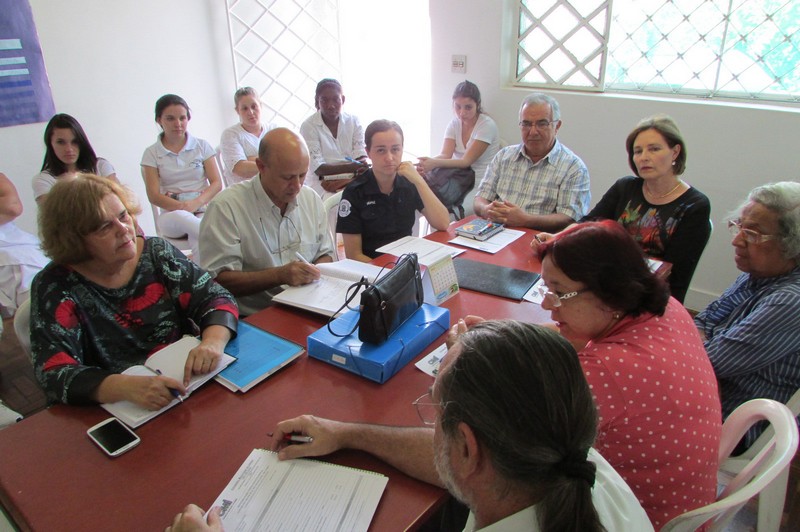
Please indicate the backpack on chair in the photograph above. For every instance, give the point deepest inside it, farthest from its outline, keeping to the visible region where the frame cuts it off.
(451, 186)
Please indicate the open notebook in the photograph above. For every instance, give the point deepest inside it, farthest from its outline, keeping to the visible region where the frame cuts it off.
(170, 361)
(327, 295)
(267, 494)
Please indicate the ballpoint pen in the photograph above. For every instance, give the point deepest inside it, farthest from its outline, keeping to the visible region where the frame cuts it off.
(175, 393)
(295, 438)
(300, 257)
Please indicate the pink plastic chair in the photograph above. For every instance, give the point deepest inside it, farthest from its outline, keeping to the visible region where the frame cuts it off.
(767, 469)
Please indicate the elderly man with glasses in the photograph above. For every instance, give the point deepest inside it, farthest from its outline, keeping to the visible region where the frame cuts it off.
(539, 183)
(268, 231)
(751, 332)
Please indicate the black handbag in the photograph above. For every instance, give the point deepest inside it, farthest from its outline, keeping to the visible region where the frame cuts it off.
(389, 301)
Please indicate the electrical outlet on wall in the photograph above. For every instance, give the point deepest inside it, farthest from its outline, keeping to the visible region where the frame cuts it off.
(459, 64)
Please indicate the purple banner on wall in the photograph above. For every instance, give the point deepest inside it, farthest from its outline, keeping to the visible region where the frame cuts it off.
(25, 96)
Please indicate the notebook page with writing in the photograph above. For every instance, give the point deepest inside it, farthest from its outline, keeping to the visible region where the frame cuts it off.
(349, 269)
(267, 494)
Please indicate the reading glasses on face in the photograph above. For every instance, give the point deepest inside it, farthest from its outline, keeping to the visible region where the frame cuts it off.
(426, 408)
(749, 235)
(554, 298)
(539, 124)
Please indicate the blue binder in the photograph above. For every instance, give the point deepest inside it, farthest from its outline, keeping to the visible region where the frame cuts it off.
(378, 362)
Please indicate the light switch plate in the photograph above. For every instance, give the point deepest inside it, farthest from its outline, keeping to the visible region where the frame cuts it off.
(459, 64)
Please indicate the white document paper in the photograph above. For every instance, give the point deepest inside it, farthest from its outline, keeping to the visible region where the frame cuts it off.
(490, 245)
(327, 295)
(267, 494)
(430, 364)
(428, 251)
(533, 294)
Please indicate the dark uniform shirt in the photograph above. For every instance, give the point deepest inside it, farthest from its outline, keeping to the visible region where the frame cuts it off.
(379, 218)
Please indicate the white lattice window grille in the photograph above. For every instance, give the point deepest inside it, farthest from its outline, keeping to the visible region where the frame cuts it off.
(561, 43)
(713, 48)
(282, 48)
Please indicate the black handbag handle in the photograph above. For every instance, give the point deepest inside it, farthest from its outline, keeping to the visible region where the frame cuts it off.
(352, 291)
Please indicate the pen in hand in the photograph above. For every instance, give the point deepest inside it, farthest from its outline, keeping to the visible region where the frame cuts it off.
(300, 257)
(295, 438)
(175, 393)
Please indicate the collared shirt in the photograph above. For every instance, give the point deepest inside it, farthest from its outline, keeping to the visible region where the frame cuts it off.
(753, 340)
(323, 148)
(237, 144)
(558, 183)
(183, 171)
(243, 230)
(379, 218)
(614, 501)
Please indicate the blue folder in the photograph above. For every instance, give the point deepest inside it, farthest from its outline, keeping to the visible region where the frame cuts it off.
(378, 362)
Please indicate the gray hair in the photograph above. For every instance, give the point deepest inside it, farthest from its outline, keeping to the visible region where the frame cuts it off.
(536, 98)
(783, 199)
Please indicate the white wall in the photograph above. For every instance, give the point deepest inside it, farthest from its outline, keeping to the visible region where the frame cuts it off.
(108, 62)
(732, 148)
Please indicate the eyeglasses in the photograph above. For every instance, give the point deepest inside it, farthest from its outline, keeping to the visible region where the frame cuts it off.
(539, 124)
(554, 298)
(749, 235)
(426, 408)
(285, 239)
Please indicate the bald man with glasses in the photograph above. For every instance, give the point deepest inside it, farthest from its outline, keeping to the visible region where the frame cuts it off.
(268, 231)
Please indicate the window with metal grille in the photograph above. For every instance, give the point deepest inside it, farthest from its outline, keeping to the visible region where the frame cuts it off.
(282, 49)
(748, 49)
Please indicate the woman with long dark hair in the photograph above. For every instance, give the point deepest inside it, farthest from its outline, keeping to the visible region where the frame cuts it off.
(67, 152)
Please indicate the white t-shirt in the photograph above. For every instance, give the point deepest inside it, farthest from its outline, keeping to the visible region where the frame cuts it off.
(180, 172)
(20, 260)
(44, 181)
(238, 144)
(485, 130)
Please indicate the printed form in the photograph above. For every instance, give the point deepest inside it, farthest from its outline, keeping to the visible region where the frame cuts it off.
(267, 494)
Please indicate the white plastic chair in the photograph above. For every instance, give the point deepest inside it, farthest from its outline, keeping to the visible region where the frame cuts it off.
(771, 500)
(22, 326)
(330, 204)
(766, 470)
(180, 243)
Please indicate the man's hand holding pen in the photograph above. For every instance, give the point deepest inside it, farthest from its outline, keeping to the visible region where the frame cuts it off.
(305, 436)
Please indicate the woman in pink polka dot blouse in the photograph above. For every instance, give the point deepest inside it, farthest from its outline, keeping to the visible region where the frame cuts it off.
(653, 384)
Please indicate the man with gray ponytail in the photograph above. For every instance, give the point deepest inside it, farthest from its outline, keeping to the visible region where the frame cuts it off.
(510, 426)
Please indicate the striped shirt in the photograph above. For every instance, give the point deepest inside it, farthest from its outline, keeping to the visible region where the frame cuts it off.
(558, 183)
(753, 340)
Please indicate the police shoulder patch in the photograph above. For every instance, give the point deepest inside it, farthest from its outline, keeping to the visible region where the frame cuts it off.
(344, 208)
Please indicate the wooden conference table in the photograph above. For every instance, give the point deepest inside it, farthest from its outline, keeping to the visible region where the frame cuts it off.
(53, 478)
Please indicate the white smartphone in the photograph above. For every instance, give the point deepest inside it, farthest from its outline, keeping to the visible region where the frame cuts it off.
(113, 437)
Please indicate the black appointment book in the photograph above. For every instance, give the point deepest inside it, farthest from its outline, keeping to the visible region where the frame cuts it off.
(492, 279)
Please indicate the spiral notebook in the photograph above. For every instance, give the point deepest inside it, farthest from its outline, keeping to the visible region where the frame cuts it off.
(269, 494)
